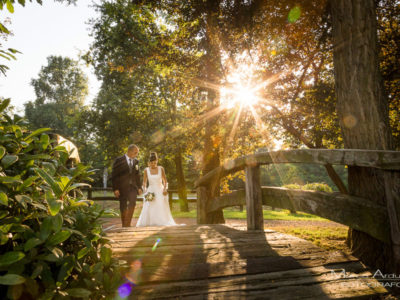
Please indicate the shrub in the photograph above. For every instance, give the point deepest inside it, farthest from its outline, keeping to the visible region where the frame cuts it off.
(293, 186)
(316, 186)
(51, 241)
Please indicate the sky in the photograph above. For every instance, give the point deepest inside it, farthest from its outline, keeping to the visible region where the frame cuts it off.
(38, 32)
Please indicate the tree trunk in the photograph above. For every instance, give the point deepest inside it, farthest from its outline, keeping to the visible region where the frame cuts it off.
(363, 112)
(180, 177)
(212, 74)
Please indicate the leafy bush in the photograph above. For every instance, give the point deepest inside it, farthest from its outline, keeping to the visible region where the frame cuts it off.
(315, 186)
(51, 241)
(293, 186)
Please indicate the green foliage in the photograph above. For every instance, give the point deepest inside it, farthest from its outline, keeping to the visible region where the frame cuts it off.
(299, 175)
(61, 89)
(51, 240)
(315, 186)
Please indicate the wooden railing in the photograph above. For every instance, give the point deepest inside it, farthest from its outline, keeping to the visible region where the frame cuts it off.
(358, 213)
(89, 195)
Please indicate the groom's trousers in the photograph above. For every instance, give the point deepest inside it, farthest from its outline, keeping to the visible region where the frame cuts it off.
(127, 203)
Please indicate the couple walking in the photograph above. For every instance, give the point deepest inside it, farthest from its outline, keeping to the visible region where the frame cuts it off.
(127, 186)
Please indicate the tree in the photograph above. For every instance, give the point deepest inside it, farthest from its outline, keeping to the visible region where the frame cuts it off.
(61, 89)
(363, 113)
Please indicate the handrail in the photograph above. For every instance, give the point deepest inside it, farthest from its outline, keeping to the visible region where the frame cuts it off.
(113, 198)
(381, 159)
(355, 212)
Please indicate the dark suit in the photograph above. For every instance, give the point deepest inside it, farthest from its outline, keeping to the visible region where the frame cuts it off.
(127, 181)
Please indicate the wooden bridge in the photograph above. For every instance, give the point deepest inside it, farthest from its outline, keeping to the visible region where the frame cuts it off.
(221, 262)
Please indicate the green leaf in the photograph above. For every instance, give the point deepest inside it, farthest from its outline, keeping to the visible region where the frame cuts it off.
(31, 243)
(40, 206)
(4, 104)
(57, 222)
(3, 238)
(2, 151)
(11, 257)
(58, 238)
(36, 157)
(49, 168)
(3, 199)
(45, 141)
(9, 180)
(11, 279)
(66, 269)
(50, 181)
(78, 292)
(37, 132)
(28, 182)
(10, 7)
(3, 214)
(64, 181)
(6, 31)
(55, 206)
(105, 256)
(83, 252)
(37, 271)
(8, 160)
(45, 228)
(23, 200)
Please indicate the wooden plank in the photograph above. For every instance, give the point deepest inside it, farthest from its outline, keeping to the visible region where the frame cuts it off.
(219, 262)
(388, 160)
(358, 213)
(202, 199)
(355, 212)
(267, 282)
(254, 218)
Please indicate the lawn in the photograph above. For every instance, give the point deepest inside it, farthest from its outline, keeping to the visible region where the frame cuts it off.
(329, 238)
(229, 213)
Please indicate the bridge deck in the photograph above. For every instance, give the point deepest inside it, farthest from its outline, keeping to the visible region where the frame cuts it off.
(222, 262)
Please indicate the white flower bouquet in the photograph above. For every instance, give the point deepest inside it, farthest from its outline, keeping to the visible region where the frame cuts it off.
(149, 197)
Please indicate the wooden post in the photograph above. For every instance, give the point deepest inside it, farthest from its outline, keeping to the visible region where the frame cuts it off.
(202, 199)
(255, 219)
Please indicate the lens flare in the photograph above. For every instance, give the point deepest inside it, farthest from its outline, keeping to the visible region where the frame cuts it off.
(134, 273)
(124, 290)
(156, 244)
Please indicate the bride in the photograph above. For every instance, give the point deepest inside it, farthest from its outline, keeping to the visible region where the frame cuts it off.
(155, 212)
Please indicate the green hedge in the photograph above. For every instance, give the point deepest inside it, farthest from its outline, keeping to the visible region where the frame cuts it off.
(51, 241)
(315, 186)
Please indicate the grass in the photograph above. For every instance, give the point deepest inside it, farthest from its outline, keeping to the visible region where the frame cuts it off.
(329, 238)
(268, 215)
(229, 213)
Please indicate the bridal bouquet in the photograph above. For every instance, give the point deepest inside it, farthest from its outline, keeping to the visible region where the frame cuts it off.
(149, 197)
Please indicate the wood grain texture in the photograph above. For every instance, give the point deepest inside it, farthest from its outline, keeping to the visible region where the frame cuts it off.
(388, 160)
(355, 212)
(255, 219)
(222, 262)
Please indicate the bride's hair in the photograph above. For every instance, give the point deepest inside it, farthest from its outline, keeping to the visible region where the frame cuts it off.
(153, 156)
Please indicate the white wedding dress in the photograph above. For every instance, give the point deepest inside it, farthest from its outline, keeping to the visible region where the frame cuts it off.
(156, 212)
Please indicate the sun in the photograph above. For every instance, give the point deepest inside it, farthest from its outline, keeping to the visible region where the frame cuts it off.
(238, 95)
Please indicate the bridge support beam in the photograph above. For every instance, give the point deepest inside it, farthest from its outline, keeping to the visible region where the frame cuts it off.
(255, 219)
(202, 200)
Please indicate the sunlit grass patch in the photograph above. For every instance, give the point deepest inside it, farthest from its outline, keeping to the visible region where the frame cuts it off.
(329, 238)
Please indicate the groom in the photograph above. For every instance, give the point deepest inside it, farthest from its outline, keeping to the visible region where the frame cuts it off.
(126, 183)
